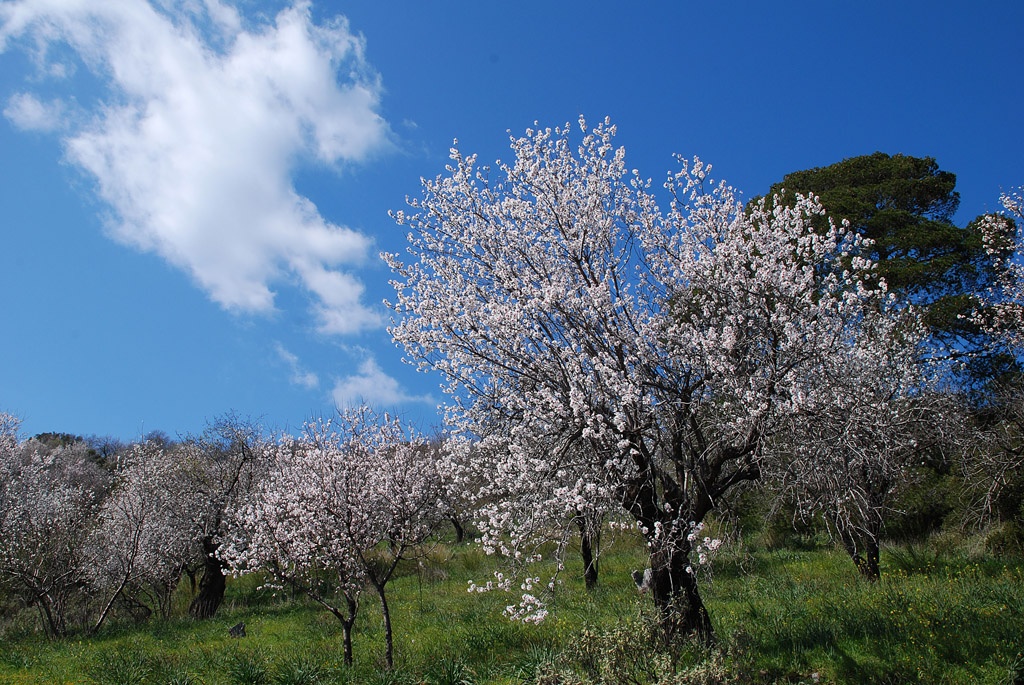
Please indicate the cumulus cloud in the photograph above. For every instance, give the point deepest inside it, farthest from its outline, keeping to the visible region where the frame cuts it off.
(373, 386)
(196, 138)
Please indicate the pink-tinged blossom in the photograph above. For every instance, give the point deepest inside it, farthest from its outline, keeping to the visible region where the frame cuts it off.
(147, 530)
(1002, 315)
(995, 458)
(48, 501)
(341, 506)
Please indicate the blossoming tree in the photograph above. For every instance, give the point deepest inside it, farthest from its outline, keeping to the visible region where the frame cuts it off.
(655, 353)
(146, 530)
(1001, 234)
(48, 499)
(222, 468)
(995, 458)
(341, 507)
(849, 459)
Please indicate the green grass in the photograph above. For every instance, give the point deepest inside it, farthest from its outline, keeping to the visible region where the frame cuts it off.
(780, 616)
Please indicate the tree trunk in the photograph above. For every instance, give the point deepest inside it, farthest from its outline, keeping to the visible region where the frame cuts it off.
(211, 585)
(346, 628)
(389, 645)
(347, 620)
(864, 554)
(867, 563)
(110, 604)
(675, 594)
(460, 532)
(587, 552)
(53, 618)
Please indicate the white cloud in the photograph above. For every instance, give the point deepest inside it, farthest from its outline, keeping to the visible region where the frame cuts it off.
(374, 387)
(28, 113)
(200, 130)
(299, 376)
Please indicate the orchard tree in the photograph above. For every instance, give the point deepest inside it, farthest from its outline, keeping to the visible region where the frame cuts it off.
(288, 530)
(341, 507)
(223, 466)
(146, 530)
(995, 459)
(658, 352)
(849, 460)
(48, 499)
(1003, 313)
(532, 507)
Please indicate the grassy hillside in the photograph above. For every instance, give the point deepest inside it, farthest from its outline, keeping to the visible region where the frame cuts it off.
(780, 616)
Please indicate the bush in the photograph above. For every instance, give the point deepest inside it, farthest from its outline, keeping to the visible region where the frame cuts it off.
(1006, 540)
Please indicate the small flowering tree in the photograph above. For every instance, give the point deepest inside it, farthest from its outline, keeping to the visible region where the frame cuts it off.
(533, 506)
(222, 467)
(146, 530)
(995, 457)
(849, 459)
(341, 507)
(48, 500)
(654, 354)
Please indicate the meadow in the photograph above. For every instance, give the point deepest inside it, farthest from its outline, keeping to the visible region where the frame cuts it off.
(944, 612)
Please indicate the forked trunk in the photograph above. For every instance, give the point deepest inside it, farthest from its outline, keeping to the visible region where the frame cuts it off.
(211, 585)
(866, 562)
(864, 551)
(53, 618)
(347, 621)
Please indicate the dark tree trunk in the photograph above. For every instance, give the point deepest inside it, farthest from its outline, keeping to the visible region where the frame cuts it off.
(211, 585)
(675, 594)
(347, 620)
(864, 553)
(587, 552)
(53, 618)
(460, 532)
(346, 626)
(867, 563)
(389, 645)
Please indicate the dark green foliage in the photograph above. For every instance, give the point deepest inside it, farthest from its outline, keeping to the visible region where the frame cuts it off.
(1015, 671)
(55, 440)
(1006, 540)
(924, 507)
(905, 205)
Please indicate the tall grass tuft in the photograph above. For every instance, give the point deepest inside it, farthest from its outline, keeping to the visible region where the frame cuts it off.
(300, 670)
(123, 665)
(449, 671)
(247, 667)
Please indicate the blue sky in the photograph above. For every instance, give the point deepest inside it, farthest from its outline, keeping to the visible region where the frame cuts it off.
(194, 193)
